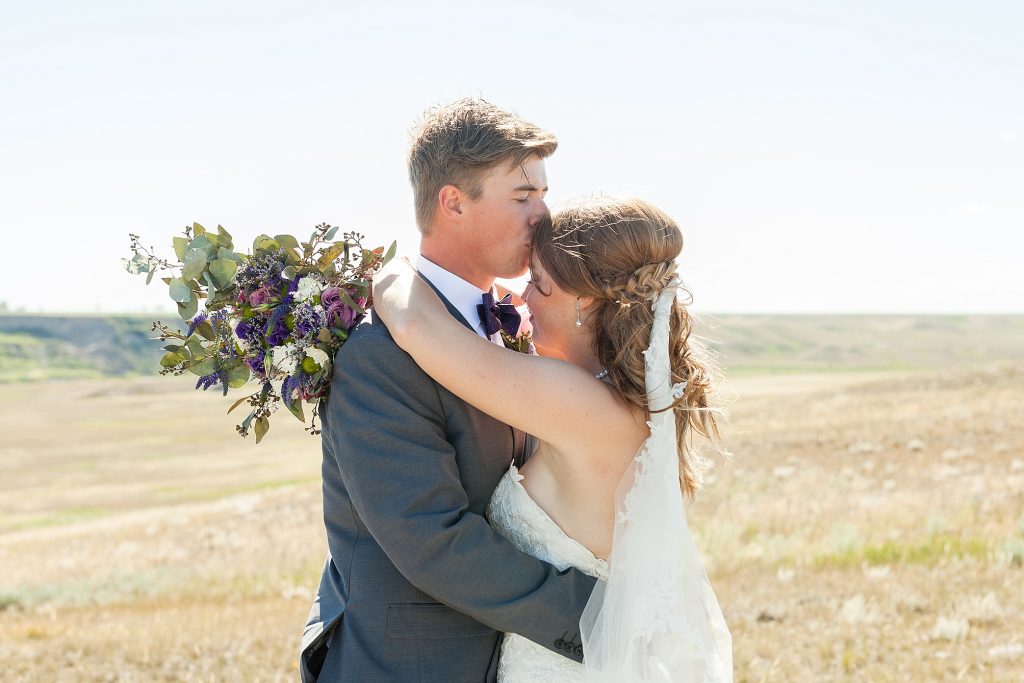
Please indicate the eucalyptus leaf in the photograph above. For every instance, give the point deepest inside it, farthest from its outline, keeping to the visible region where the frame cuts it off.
(206, 331)
(149, 278)
(223, 272)
(195, 349)
(136, 264)
(289, 272)
(262, 427)
(229, 255)
(238, 375)
(172, 347)
(197, 229)
(239, 402)
(224, 235)
(292, 256)
(265, 243)
(202, 242)
(391, 253)
(211, 286)
(296, 409)
(180, 291)
(180, 247)
(206, 366)
(248, 421)
(330, 254)
(188, 310)
(171, 359)
(331, 233)
(195, 264)
(287, 241)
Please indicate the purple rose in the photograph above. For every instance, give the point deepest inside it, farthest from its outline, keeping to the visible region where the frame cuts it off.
(340, 315)
(330, 296)
(259, 297)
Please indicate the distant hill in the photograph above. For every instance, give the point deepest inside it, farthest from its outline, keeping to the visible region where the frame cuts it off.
(827, 343)
(34, 347)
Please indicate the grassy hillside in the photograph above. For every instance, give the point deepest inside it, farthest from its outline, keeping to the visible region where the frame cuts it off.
(34, 347)
(869, 527)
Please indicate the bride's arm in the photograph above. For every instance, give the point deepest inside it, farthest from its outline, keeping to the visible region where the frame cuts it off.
(554, 400)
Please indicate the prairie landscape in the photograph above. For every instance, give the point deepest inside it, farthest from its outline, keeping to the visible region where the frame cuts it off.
(869, 525)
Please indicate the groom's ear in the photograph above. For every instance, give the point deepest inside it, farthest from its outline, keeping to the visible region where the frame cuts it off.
(449, 202)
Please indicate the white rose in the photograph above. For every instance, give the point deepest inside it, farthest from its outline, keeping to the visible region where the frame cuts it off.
(309, 287)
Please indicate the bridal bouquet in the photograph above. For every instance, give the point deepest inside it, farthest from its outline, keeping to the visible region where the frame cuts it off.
(277, 315)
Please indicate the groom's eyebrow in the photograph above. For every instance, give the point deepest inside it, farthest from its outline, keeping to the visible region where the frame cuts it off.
(527, 188)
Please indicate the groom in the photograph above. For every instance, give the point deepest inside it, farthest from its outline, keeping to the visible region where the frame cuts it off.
(417, 586)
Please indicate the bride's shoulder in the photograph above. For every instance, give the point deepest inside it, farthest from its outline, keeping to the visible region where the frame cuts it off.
(611, 435)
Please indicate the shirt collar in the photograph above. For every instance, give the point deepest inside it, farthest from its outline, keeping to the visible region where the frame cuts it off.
(461, 294)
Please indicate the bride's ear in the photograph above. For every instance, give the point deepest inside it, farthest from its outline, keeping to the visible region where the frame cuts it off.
(586, 302)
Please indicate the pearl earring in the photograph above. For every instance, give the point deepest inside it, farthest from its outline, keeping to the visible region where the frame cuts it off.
(579, 320)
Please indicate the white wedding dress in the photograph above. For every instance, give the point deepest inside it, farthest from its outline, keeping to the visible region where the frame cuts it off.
(653, 616)
(518, 518)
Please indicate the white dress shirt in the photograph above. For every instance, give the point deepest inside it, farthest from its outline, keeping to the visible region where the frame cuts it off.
(463, 295)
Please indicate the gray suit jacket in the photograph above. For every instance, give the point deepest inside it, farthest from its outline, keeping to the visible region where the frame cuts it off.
(417, 586)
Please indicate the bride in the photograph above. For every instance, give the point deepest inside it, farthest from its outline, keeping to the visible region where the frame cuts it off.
(611, 401)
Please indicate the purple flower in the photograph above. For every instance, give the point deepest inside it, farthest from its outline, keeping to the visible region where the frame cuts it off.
(255, 364)
(260, 296)
(330, 296)
(196, 322)
(308, 319)
(207, 381)
(340, 315)
(279, 334)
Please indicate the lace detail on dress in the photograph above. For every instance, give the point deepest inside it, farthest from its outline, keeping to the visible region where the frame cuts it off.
(518, 517)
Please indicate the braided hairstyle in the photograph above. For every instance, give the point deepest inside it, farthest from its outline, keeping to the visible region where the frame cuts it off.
(621, 252)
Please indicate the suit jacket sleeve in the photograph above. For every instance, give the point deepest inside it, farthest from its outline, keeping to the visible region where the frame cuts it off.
(387, 431)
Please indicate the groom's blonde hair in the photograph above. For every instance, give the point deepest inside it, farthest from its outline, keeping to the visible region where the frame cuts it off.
(457, 144)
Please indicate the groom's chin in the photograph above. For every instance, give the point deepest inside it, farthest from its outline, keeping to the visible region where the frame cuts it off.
(518, 270)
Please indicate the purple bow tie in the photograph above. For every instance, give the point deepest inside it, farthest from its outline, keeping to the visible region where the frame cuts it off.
(500, 315)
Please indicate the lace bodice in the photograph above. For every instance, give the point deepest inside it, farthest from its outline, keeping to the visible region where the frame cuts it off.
(517, 517)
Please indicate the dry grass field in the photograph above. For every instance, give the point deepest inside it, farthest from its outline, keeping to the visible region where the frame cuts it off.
(869, 527)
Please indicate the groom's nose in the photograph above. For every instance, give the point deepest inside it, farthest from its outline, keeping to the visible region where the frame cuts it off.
(539, 214)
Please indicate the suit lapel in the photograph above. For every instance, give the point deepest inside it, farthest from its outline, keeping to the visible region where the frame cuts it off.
(448, 304)
(518, 437)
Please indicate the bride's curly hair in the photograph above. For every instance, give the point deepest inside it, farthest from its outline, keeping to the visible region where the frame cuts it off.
(621, 251)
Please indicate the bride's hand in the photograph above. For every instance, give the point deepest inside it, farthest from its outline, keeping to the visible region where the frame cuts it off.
(402, 300)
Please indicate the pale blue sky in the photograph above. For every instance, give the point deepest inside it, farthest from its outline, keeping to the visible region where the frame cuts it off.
(819, 156)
